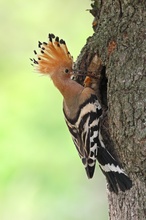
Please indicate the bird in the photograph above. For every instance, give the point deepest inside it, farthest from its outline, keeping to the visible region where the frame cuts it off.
(82, 112)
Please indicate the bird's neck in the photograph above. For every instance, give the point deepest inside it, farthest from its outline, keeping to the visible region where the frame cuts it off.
(68, 88)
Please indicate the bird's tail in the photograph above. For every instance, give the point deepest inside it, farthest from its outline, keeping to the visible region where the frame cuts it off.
(114, 173)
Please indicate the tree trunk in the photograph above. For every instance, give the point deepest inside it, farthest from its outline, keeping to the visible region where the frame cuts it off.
(116, 54)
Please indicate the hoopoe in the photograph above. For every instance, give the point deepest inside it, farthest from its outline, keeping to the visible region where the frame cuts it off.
(82, 112)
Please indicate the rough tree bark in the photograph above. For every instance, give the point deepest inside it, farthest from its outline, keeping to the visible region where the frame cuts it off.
(116, 53)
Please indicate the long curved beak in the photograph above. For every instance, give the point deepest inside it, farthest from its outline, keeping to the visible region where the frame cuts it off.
(76, 72)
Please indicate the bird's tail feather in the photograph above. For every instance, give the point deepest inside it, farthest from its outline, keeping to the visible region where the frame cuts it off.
(113, 172)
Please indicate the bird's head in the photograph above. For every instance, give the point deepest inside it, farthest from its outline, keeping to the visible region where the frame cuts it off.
(53, 58)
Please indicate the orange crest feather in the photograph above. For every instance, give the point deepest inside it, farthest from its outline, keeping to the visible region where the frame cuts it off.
(52, 55)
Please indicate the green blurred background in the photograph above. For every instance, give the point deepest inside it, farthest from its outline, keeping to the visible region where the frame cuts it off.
(41, 175)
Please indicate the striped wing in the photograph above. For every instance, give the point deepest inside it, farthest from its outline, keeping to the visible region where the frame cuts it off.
(84, 130)
(86, 136)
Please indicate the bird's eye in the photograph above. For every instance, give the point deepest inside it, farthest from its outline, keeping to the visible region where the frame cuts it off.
(66, 70)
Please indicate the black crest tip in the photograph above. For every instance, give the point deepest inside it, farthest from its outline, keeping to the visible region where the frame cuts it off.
(62, 41)
(39, 44)
(51, 36)
(57, 39)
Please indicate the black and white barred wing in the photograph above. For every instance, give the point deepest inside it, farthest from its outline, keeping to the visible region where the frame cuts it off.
(84, 130)
(86, 136)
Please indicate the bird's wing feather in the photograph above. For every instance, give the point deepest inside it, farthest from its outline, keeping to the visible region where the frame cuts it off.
(84, 130)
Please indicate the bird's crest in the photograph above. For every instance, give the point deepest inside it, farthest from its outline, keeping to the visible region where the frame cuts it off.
(52, 55)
